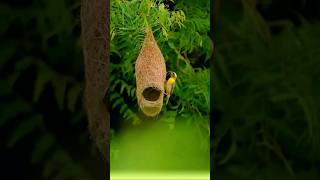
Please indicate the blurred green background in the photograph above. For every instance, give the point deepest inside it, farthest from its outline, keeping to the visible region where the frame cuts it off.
(266, 90)
(43, 127)
(265, 81)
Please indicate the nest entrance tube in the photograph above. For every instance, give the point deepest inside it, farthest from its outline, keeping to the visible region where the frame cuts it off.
(151, 94)
(150, 76)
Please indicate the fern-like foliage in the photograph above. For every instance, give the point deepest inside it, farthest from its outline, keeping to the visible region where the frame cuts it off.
(266, 85)
(40, 66)
(182, 35)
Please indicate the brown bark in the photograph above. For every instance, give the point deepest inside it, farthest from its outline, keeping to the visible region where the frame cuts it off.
(95, 43)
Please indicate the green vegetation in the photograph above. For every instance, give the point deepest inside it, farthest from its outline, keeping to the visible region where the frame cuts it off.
(266, 84)
(182, 35)
(42, 123)
(267, 92)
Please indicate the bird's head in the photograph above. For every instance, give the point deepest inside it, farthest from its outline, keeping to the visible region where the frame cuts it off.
(171, 74)
(171, 77)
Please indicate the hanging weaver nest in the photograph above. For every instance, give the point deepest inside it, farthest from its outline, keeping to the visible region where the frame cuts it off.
(95, 38)
(150, 71)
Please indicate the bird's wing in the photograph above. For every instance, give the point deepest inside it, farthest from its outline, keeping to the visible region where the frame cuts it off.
(173, 86)
(167, 100)
(167, 87)
(168, 90)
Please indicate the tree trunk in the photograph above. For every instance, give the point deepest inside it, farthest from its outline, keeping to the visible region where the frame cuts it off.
(95, 38)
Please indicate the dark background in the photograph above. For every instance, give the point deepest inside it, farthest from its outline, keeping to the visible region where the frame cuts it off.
(266, 91)
(43, 127)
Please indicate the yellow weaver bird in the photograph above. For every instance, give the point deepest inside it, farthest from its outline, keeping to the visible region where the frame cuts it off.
(170, 84)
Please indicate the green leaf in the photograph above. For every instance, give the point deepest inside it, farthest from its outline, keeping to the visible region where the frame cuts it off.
(122, 109)
(24, 128)
(117, 102)
(78, 117)
(7, 50)
(113, 96)
(60, 85)
(72, 97)
(57, 160)
(61, 166)
(42, 146)
(6, 17)
(11, 109)
(133, 92)
(123, 86)
(232, 150)
(19, 68)
(43, 78)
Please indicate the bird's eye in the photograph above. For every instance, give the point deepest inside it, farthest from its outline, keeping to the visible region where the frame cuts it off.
(169, 74)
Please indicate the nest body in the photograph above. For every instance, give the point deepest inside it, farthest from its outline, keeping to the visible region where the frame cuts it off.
(150, 72)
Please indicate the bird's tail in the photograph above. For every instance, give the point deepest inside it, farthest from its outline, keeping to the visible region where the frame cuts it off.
(167, 100)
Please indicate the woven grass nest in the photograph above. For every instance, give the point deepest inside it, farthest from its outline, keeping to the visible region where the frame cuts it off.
(150, 70)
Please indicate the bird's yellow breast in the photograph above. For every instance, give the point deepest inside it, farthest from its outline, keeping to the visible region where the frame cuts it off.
(171, 81)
